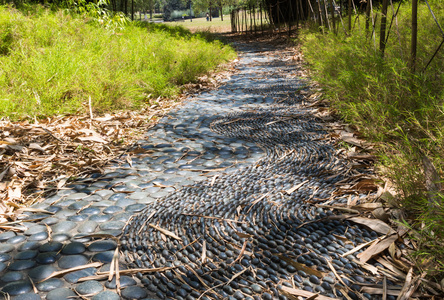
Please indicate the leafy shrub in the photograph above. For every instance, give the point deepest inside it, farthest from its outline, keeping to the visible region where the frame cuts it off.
(390, 104)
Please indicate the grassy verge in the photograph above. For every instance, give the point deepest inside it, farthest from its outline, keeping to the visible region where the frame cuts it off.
(400, 110)
(52, 62)
(201, 24)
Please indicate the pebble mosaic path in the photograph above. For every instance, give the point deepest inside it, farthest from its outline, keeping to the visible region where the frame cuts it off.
(214, 172)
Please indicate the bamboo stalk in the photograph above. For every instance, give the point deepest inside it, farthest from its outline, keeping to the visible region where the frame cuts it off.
(414, 35)
(382, 41)
(349, 15)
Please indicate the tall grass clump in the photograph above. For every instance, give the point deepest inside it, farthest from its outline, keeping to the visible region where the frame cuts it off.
(52, 62)
(401, 110)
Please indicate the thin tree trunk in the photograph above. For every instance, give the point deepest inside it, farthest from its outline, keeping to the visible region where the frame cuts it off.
(321, 22)
(232, 21)
(332, 10)
(251, 20)
(262, 24)
(414, 35)
(246, 20)
(349, 15)
(221, 13)
(239, 21)
(254, 17)
(326, 15)
(367, 17)
(270, 18)
(383, 27)
(132, 10)
(302, 14)
(290, 20)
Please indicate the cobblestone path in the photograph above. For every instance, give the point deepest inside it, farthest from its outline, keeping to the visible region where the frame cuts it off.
(220, 197)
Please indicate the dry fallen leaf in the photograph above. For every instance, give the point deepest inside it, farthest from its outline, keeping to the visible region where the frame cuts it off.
(302, 293)
(374, 224)
(377, 248)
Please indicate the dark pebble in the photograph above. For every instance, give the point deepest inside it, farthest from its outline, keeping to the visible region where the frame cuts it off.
(49, 285)
(87, 227)
(77, 218)
(238, 295)
(17, 287)
(314, 279)
(133, 208)
(61, 294)
(47, 258)
(50, 247)
(16, 239)
(100, 218)
(39, 236)
(112, 209)
(21, 265)
(5, 248)
(12, 276)
(90, 287)
(112, 225)
(267, 296)
(60, 237)
(35, 229)
(29, 246)
(2, 266)
(41, 272)
(104, 257)
(106, 295)
(74, 277)
(28, 254)
(124, 282)
(50, 221)
(326, 285)
(4, 257)
(28, 296)
(100, 246)
(72, 261)
(91, 211)
(73, 248)
(256, 288)
(6, 235)
(134, 292)
(64, 226)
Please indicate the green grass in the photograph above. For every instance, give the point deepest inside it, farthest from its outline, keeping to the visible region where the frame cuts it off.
(402, 111)
(52, 62)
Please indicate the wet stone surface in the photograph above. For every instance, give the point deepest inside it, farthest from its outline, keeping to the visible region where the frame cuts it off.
(213, 173)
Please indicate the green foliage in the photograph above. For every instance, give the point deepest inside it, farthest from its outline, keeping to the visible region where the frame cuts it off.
(114, 21)
(391, 105)
(56, 61)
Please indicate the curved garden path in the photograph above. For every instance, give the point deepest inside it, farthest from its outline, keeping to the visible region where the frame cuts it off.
(223, 198)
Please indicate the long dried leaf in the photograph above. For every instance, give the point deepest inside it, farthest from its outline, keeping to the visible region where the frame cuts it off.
(359, 247)
(63, 272)
(204, 251)
(377, 248)
(374, 224)
(166, 232)
(296, 187)
(303, 293)
(301, 267)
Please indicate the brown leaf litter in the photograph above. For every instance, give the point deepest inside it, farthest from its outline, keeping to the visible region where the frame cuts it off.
(40, 156)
